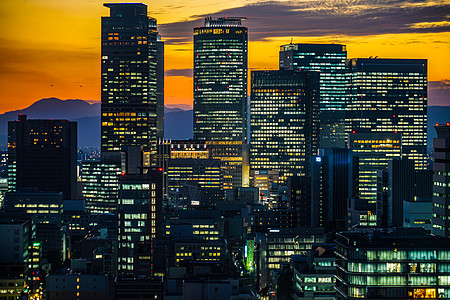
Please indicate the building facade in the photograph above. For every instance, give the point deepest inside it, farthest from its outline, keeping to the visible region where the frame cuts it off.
(220, 80)
(390, 95)
(42, 154)
(329, 61)
(402, 263)
(131, 87)
(139, 215)
(100, 180)
(284, 127)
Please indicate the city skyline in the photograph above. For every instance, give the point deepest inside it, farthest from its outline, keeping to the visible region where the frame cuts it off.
(70, 34)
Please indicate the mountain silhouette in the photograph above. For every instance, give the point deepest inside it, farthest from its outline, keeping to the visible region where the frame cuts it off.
(178, 123)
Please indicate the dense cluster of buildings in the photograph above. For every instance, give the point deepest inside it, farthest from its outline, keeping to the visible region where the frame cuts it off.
(319, 188)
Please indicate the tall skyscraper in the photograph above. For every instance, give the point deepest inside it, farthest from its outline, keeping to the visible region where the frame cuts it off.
(220, 80)
(329, 61)
(160, 88)
(42, 154)
(390, 95)
(284, 127)
(131, 78)
(441, 181)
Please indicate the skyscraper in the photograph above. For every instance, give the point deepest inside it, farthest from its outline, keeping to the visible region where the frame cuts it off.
(220, 80)
(131, 78)
(329, 61)
(390, 95)
(441, 181)
(284, 127)
(42, 154)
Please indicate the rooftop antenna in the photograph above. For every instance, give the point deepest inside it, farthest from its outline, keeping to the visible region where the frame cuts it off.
(291, 40)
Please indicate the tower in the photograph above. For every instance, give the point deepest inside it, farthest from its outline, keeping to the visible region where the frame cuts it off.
(131, 87)
(220, 80)
(329, 61)
(390, 95)
(284, 128)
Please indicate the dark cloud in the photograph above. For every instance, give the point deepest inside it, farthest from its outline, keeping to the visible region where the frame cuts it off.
(319, 18)
(179, 72)
(439, 93)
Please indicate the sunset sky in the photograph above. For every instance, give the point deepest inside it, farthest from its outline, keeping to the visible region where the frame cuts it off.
(51, 48)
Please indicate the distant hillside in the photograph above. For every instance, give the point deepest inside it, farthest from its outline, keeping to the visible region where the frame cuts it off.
(53, 108)
(178, 122)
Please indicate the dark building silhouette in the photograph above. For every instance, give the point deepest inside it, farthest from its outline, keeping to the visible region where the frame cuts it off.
(132, 88)
(284, 127)
(441, 181)
(42, 154)
(334, 182)
(300, 199)
(220, 80)
(329, 61)
(160, 89)
(400, 182)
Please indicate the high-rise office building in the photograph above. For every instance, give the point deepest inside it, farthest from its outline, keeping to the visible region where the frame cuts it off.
(374, 151)
(42, 154)
(234, 162)
(139, 214)
(329, 61)
(390, 95)
(100, 180)
(220, 80)
(441, 181)
(131, 78)
(284, 127)
(159, 88)
(184, 173)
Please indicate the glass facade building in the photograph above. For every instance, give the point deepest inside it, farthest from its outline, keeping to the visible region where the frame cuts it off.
(129, 80)
(329, 61)
(100, 182)
(374, 151)
(403, 263)
(284, 127)
(390, 95)
(220, 80)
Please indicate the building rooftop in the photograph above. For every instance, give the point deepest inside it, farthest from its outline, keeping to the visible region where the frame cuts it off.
(401, 237)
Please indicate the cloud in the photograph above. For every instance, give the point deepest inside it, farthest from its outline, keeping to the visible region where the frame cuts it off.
(179, 72)
(268, 19)
(439, 93)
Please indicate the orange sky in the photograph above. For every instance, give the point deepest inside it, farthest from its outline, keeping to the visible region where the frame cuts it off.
(51, 48)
